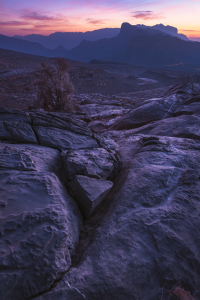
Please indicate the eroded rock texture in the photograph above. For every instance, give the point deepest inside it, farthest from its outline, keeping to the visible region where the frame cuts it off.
(143, 242)
(40, 222)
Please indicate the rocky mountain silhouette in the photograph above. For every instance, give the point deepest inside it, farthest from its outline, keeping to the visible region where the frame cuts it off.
(70, 40)
(139, 46)
(20, 45)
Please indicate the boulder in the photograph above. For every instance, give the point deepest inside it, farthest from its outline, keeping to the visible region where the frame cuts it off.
(96, 163)
(144, 240)
(147, 112)
(63, 139)
(60, 120)
(39, 225)
(31, 158)
(184, 126)
(14, 116)
(17, 132)
(190, 109)
(21, 132)
(96, 126)
(89, 192)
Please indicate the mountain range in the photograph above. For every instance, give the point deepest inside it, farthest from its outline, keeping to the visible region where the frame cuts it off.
(143, 46)
(20, 45)
(70, 40)
(156, 46)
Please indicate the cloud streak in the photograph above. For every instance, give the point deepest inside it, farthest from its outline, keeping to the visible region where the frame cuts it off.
(85, 15)
(13, 23)
(95, 22)
(146, 15)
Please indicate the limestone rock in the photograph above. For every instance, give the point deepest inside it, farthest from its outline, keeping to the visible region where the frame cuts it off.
(31, 158)
(147, 112)
(184, 126)
(63, 139)
(89, 192)
(60, 120)
(96, 126)
(39, 225)
(17, 132)
(145, 240)
(14, 116)
(21, 132)
(96, 163)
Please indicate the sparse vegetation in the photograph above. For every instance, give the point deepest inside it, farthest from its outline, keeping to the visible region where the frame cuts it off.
(54, 87)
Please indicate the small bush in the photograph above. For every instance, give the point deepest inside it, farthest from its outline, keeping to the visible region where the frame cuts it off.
(54, 89)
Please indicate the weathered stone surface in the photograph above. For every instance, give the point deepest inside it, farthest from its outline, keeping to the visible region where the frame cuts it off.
(96, 126)
(63, 139)
(31, 158)
(89, 192)
(60, 120)
(21, 132)
(185, 126)
(144, 241)
(39, 225)
(102, 110)
(4, 133)
(149, 111)
(17, 132)
(96, 163)
(191, 89)
(190, 109)
(39, 221)
(14, 116)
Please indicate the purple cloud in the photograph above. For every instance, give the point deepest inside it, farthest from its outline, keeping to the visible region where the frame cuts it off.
(95, 22)
(146, 15)
(13, 23)
(33, 15)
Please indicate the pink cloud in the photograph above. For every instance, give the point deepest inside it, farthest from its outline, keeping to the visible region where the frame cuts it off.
(13, 23)
(146, 15)
(95, 22)
(35, 16)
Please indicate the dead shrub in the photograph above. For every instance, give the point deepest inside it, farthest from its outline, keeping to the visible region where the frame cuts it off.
(54, 89)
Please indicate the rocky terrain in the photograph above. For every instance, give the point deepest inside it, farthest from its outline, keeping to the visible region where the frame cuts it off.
(18, 87)
(103, 204)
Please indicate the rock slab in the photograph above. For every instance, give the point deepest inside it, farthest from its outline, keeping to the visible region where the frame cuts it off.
(89, 192)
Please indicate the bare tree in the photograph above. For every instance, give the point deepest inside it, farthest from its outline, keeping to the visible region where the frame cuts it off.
(54, 87)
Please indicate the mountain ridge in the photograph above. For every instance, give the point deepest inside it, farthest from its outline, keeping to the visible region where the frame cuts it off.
(72, 39)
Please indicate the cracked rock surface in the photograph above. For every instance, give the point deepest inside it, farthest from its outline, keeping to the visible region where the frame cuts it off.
(143, 242)
(40, 222)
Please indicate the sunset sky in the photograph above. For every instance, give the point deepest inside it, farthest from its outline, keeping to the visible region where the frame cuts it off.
(47, 16)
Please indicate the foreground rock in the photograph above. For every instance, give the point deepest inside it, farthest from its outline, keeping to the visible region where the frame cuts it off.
(143, 242)
(40, 225)
(89, 192)
(60, 131)
(96, 163)
(40, 222)
(145, 239)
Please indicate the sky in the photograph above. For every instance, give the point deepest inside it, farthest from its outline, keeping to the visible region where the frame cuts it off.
(22, 17)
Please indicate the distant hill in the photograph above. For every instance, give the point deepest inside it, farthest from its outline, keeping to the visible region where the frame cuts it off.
(139, 46)
(103, 48)
(158, 51)
(70, 40)
(166, 29)
(20, 45)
